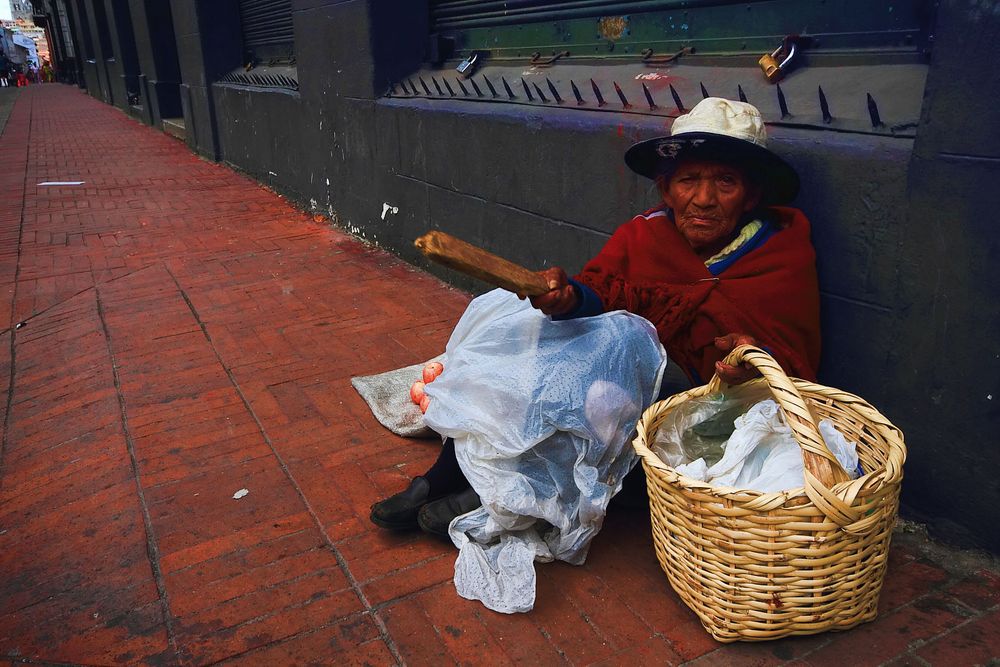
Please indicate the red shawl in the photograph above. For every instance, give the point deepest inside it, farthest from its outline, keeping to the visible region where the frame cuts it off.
(770, 293)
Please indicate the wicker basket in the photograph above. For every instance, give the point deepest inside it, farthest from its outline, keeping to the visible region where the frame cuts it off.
(756, 566)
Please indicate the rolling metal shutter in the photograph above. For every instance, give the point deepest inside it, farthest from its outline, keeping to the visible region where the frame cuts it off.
(622, 28)
(458, 14)
(267, 29)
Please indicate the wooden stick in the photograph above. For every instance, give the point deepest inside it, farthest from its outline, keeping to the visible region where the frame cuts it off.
(478, 263)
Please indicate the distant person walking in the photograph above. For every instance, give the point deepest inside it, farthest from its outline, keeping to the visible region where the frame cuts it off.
(22, 80)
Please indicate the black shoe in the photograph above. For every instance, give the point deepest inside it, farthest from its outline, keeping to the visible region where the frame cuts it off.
(434, 517)
(399, 512)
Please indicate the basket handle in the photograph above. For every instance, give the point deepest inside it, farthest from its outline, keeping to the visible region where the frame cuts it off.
(818, 459)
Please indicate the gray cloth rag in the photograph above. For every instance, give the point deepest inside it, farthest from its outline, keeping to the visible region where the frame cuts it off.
(388, 396)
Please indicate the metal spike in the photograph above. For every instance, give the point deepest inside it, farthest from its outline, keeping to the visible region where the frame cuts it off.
(649, 97)
(510, 93)
(424, 85)
(704, 93)
(576, 92)
(621, 96)
(448, 86)
(597, 94)
(479, 93)
(465, 91)
(677, 99)
(873, 112)
(541, 95)
(493, 91)
(527, 91)
(824, 106)
(437, 86)
(781, 102)
(555, 93)
(743, 96)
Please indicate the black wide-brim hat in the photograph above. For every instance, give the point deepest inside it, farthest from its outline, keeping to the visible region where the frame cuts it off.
(724, 131)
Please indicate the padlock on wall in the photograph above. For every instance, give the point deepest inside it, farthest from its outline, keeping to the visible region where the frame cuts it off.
(775, 65)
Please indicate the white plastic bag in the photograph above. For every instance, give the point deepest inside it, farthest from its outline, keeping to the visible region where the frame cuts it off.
(542, 414)
(699, 427)
(762, 454)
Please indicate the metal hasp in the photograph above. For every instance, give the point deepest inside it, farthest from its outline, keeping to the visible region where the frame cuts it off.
(538, 61)
(653, 59)
(769, 62)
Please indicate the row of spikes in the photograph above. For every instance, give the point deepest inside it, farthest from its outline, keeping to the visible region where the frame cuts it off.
(678, 103)
(275, 80)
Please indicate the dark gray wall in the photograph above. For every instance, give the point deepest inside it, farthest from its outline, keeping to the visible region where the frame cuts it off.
(91, 67)
(209, 44)
(902, 228)
(946, 354)
(122, 38)
(156, 50)
(109, 70)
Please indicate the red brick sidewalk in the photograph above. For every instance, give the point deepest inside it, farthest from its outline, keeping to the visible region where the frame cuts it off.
(176, 333)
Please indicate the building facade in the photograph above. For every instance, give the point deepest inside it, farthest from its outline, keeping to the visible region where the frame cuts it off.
(504, 123)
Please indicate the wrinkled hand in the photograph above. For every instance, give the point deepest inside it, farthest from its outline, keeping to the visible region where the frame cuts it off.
(727, 372)
(561, 297)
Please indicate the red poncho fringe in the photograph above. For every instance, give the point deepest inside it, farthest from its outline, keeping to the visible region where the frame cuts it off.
(770, 293)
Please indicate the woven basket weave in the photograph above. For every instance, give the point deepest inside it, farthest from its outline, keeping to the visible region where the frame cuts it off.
(756, 566)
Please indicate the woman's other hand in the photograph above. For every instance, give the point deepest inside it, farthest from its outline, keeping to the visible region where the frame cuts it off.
(561, 297)
(727, 372)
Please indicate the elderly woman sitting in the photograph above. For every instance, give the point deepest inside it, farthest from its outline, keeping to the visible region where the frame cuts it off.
(720, 263)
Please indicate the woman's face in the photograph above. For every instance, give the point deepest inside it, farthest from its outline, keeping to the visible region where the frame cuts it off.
(708, 199)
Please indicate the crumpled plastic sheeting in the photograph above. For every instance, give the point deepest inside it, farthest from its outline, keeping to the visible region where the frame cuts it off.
(762, 454)
(388, 396)
(542, 414)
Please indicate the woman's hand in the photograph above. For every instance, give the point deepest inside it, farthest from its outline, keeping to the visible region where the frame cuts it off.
(727, 372)
(561, 297)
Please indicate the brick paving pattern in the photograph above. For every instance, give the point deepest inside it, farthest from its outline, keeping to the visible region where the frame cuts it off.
(174, 332)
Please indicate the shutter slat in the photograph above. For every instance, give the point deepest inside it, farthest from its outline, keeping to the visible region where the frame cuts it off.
(481, 13)
(266, 23)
